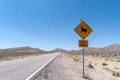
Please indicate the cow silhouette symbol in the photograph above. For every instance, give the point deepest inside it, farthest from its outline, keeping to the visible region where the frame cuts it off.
(83, 30)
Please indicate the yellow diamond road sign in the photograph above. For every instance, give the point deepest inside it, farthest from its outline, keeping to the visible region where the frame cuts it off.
(83, 30)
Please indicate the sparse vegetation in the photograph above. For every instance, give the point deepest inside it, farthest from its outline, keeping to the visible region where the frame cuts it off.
(106, 59)
(118, 60)
(115, 73)
(112, 60)
(106, 68)
(87, 77)
(104, 64)
(116, 68)
(76, 58)
(90, 65)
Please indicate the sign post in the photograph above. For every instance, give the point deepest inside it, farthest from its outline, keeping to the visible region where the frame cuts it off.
(83, 64)
(83, 30)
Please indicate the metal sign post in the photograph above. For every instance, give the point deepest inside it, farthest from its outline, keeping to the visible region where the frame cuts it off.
(83, 30)
(83, 64)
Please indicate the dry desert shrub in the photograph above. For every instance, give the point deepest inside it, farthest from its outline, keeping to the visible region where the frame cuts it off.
(76, 58)
(90, 65)
(118, 60)
(115, 73)
(116, 68)
(106, 68)
(104, 64)
(112, 60)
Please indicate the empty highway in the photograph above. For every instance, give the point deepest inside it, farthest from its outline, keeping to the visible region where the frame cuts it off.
(21, 69)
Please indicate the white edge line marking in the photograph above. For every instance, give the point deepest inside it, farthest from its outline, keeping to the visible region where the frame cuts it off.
(30, 77)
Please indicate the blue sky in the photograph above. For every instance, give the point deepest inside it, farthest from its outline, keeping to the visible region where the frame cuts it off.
(49, 24)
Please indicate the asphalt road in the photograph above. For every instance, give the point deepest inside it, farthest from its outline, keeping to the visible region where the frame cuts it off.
(21, 69)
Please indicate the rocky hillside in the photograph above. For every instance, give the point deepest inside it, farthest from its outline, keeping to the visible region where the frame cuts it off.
(59, 50)
(20, 51)
(113, 49)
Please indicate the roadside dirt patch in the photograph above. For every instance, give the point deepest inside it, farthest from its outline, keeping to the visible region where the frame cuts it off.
(65, 68)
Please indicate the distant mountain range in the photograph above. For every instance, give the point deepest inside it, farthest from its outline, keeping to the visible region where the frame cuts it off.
(113, 49)
(20, 51)
(110, 50)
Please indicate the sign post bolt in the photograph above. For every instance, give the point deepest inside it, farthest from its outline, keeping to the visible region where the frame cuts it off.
(81, 20)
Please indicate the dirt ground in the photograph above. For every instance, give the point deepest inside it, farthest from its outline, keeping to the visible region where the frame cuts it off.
(66, 68)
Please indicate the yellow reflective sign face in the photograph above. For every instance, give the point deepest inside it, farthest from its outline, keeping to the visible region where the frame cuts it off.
(83, 43)
(83, 30)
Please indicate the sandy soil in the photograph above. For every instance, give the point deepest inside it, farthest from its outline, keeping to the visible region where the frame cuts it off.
(65, 68)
